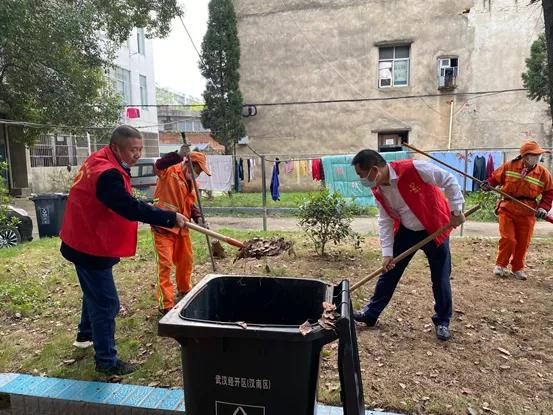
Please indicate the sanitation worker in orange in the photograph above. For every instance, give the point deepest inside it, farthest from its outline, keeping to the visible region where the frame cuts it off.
(175, 192)
(528, 181)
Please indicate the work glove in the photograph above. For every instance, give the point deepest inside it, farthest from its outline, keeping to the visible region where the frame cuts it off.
(541, 213)
(485, 187)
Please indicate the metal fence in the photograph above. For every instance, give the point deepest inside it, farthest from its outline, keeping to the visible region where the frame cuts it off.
(59, 150)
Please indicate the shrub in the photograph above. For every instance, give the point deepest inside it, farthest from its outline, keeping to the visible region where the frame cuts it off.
(327, 217)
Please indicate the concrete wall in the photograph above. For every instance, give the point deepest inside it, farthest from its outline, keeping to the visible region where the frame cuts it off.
(51, 179)
(308, 50)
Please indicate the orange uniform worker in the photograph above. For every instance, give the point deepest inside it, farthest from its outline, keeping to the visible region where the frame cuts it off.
(527, 181)
(175, 192)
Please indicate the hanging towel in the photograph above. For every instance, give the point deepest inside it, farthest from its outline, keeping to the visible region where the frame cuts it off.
(275, 183)
(303, 167)
(489, 166)
(297, 168)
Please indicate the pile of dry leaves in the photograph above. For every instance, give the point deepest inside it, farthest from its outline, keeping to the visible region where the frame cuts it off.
(259, 247)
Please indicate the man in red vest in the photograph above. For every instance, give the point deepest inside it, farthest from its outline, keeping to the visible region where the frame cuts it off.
(411, 206)
(99, 226)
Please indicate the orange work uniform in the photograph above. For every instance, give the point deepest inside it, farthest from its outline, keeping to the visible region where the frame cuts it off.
(174, 192)
(534, 187)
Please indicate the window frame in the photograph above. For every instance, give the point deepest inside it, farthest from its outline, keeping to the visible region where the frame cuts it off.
(443, 68)
(122, 84)
(393, 61)
(140, 41)
(143, 89)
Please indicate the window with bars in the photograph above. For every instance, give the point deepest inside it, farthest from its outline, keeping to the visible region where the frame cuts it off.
(393, 66)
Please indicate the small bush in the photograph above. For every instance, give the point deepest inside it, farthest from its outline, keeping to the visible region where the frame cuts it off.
(325, 218)
(6, 223)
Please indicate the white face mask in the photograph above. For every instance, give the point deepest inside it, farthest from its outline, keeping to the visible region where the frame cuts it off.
(532, 160)
(365, 181)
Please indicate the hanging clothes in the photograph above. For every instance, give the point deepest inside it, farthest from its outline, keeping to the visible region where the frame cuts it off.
(251, 167)
(241, 169)
(289, 167)
(303, 167)
(479, 171)
(316, 169)
(237, 185)
(489, 166)
(221, 177)
(275, 182)
(297, 169)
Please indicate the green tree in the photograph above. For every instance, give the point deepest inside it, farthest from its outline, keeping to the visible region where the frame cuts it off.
(220, 65)
(55, 54)
(536, 78)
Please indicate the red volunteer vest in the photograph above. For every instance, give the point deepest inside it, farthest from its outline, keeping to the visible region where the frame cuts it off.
(426, 201)
(89, 226)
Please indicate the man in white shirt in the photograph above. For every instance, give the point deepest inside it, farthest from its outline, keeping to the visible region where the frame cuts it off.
(411, 206)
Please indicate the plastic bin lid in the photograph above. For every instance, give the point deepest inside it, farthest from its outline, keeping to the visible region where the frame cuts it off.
(48, 196)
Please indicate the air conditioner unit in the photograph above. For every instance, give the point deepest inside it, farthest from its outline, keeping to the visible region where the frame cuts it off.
(244, 140)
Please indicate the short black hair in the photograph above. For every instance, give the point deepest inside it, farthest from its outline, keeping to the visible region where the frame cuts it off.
(367, 159)
(124, 132)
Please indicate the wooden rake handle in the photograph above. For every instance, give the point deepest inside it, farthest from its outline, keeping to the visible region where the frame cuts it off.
(213, 234)
(411, 250)
(502, 193)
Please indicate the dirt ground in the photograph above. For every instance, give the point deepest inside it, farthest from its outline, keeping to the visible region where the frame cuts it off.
(499, 360)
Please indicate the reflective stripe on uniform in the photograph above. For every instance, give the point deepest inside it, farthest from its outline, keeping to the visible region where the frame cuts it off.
(529, 179)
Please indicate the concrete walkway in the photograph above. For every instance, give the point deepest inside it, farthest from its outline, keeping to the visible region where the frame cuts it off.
(361, 225)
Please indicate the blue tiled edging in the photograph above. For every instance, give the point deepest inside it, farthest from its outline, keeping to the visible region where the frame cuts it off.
(42, 395)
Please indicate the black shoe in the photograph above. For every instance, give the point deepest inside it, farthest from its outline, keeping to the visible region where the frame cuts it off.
(360, 317)
(121, 368)
(442, 332)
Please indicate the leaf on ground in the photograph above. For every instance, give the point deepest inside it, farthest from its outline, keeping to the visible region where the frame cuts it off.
(504, 351)
(328, 306)
(305, 328)
(69, 361)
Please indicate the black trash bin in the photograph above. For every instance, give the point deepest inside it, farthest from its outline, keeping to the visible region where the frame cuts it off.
(243, 353)
(49, 208)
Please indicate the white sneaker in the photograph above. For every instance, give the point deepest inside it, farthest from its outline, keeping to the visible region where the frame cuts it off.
(499, 271)
(520, 275)
(82, 342)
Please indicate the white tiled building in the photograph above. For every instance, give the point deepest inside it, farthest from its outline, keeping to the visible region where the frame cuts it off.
(133, 78)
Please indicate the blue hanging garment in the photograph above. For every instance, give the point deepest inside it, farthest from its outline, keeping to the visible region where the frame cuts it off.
(275, 183)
